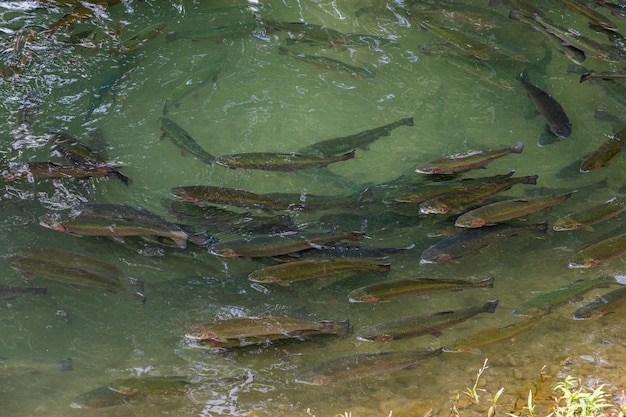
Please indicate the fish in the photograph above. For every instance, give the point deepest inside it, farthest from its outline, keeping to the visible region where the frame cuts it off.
(208, 73)
(362, 365)
(183, 140)
(328, 63)
(405, 287)
(470, 342)
(116, 220)
(604, 75)
(77, 152)
(595, 18)
(466, 43)
(470, 241)
(150, 385)
(139, 39)
(50, 170)
(465, 161)
(501, 211)
(456, 201)
(286, 162)
(345, 252)
(287, 273)
(603, 305)
(549, 108)
(279, 244)
(419, 325)
(594, 214)
(9, 292)
(99, 398)
(199, 33)
(598, 252)
(209, 194)
(361, 140)
(605, 152)
(551, 299)
(259, 327)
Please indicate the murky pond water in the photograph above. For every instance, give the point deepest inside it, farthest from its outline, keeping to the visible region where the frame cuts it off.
(78, 78)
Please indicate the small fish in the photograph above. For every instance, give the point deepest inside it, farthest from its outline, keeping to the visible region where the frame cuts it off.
(423, 324)
(328, 63)
(246, 327)
(603, 305)
(360, 140)
(183, 140)
(604, 75)
(141, 38)
(287, 273)
(279, 244)
(594, 214)
(549, 108)
(288, 162)
(208, 194)
(598, 252)
(596, 18)
(9, 292)
(605, 152)
(362, 365)
(470, 241)
(501, 211)
(49, 170)
(552, 299)
(466, 161)
(99, 398)
(404, 287)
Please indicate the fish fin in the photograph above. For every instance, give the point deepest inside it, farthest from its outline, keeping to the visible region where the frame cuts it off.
(437, 334)
(588, 228)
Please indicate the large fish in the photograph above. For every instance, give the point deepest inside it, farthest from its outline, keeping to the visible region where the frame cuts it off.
(99, 398)
(601, 306)
(554, 298)
(246, 327)
(549, 108)
(287, 162)
(605, 152)
(470, 241)
(287, 273)
(114, 220)
(361, 140)
(466, 161)
(209, 194)
(501, 211)
(279, 244)
(594, 214)
(183, 140)
(458, 200)
(50, 170)
(598, 252)
(363, 365)
(328, 63)
(423, 324)
(8, 292)
(405, 287)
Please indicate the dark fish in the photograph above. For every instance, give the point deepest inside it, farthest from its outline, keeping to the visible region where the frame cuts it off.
(10, 292)
(208, 194)
(49, 170)
(603, 305)
(360, 140)
(549, 108)
(99, 398)
(604, 75)
(470, 241)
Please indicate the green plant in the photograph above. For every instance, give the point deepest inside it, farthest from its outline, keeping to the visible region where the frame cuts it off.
(472, 392)
(576, 400)
(345, 414)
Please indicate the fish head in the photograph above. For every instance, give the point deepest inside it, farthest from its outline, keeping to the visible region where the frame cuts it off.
(563, 130)
(363, 298)
(225, 252)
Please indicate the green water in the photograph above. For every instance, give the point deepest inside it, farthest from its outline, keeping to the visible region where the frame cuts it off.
(263, 101)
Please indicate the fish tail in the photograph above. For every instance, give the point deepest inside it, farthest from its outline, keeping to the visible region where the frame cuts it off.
(283, 51)
(180, 238)
(38, 290)
(490, 306)
(518, 147)
(112, 172)
(408, 121)
(542, 227)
